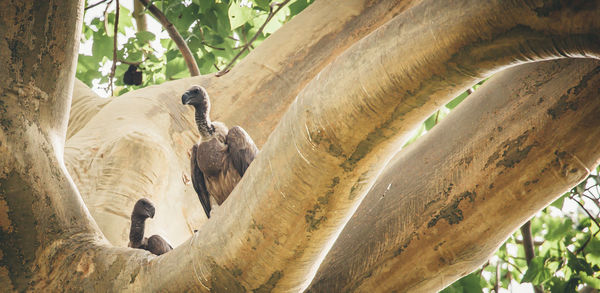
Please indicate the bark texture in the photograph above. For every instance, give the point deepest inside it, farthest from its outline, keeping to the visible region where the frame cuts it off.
(254, 95)
(352, 77)
(517, 143)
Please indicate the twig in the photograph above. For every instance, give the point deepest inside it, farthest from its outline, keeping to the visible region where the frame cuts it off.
(592, 218)
(106, 16)
(497, 283)
(258, 32)
(527, 242)
(529, 249)
(535, 242)
(211, 46)
(580, 249)
(586, 211)
(513, 265)
(487, 263)
(114, 65)
(175, 36)
(94, 5)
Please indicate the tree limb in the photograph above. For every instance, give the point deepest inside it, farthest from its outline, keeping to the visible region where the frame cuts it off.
(419, 228)
(383, 94)
(323, 170)
(175, 36)
(95, 4)
(241, 97)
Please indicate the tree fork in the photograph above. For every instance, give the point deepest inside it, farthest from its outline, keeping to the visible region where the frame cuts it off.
(324, 170)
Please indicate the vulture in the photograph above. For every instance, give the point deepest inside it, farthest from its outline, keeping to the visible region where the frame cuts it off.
(221, 157)
(142, 210)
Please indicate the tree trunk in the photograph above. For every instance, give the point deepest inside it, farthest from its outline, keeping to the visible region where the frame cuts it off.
(364, 77)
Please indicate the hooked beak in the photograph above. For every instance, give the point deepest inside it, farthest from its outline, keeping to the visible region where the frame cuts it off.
(185, 98)
(152, 211)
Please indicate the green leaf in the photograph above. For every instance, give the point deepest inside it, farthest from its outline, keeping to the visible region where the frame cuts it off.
(298, 6)
(536, 272)
(452, 104)
(262, 4)
(145, 36)
(558, 203)
(102, 45)
(174, 67)
(203, 5)
(560, 286)
(239, 15)
(578, 264)
(558, 227)
(593, 251)
(167, 43)
(432, 120)
(590, 280)
(469, 283)
(124, 19)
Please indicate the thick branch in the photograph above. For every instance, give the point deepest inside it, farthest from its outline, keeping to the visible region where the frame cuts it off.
(301, 189)
(254, 95)
(84, 106)
(40, 207)
(345, 130)
(175, 36)
(449, 200)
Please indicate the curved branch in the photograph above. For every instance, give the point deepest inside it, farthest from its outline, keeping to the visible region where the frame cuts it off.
(344, 130)
(250, 95)
(309, 184)
(175, 36)
(84, 106)
(499, 151)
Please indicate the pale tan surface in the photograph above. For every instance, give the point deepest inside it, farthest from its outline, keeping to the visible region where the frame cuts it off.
(346, 113)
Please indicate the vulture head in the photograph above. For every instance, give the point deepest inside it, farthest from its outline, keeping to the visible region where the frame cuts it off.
(198, 97)
(143, 209)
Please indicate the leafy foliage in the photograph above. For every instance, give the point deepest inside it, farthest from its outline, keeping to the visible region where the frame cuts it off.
(214, 30)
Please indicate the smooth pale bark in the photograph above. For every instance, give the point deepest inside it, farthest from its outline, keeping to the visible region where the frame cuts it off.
(317, 164)
(84, 106)
(449, 200)
(104, 157)
(40, 208)
(339, 133)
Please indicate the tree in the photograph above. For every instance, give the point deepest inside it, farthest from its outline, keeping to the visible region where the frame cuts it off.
(329, 98)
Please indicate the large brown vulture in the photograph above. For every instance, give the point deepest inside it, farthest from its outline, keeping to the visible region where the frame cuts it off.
(222, 156)
(142, 210)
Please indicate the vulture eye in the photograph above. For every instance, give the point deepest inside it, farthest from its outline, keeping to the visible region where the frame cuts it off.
(196, 91)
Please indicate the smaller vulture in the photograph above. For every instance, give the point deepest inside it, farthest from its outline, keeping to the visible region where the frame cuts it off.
(221, 158)
(142, 210)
